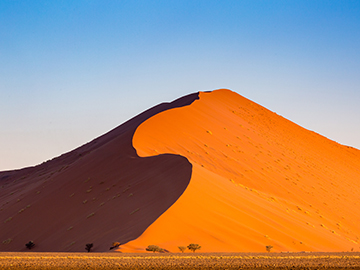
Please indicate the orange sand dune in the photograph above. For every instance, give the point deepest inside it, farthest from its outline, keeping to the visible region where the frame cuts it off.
(258, 179)
(209, 168)
(99, 193)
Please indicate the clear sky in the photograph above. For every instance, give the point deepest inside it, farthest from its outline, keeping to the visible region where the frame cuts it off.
(72, 70)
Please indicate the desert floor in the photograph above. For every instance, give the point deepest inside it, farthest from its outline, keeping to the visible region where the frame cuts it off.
(32, 260)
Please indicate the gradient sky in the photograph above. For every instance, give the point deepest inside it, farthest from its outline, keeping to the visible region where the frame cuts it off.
(72, 70)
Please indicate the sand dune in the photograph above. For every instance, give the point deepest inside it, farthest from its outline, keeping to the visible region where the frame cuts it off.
(212, 168)
(258, 179)
(99, 193)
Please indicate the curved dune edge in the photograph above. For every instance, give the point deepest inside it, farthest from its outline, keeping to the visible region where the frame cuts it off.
(101, 192)
(258, 179)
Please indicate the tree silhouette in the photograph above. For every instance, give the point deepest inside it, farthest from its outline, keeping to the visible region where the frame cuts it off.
(182, 248)
(268, 248)
(30, 245)
(88, 247)
(154, 248)
(193, 247)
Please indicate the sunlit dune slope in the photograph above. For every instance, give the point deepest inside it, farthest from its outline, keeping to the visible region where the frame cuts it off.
(99, 193)
(258, 179)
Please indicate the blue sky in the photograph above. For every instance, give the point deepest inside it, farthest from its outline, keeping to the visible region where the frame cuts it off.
(72, 70)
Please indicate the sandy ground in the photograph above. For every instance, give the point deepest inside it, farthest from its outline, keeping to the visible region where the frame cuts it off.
(180, 261)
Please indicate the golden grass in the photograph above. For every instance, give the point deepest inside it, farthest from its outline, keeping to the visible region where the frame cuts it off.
(115, 260)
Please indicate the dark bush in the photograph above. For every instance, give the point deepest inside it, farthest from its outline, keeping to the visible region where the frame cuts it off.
(88, 247)
(30, 245)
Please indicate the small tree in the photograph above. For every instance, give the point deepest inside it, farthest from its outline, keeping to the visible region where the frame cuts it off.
(193, 247)
(88, 247)
(268, 248)
(182, 248)
(30, 245)
(153, 248)
(115, 245)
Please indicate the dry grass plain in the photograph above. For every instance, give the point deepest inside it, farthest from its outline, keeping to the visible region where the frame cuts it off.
(31, 260)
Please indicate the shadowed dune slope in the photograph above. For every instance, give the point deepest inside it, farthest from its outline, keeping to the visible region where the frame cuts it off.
(258, 179)
(99, 193)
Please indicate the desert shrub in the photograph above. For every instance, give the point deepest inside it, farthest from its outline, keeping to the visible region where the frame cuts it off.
(30, 245)
(182, 248)
(268, 248)
(88, 247)
(154, 248)
(193, 247)
(115, 245)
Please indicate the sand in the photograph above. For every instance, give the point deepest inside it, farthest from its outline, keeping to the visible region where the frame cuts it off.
(100, 193)
(212, 168)
(258, 179)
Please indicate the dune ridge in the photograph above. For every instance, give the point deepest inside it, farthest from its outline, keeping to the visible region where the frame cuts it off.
(100, 193)
(258, 179)
(212, 168)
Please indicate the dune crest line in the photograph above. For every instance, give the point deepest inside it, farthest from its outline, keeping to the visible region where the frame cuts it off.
(258, 180)
(101, 192)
